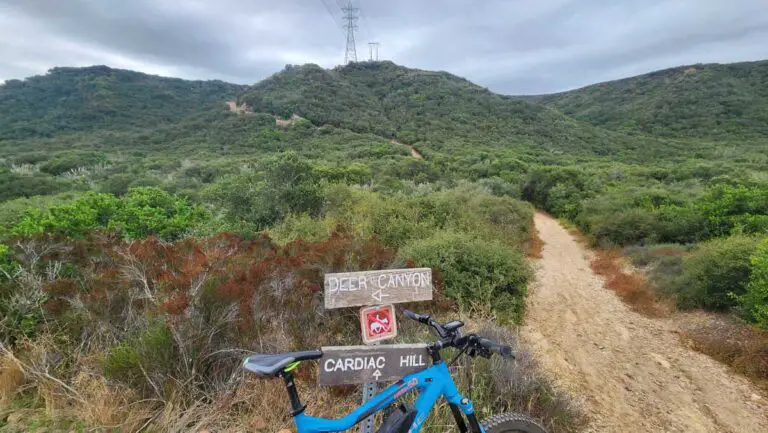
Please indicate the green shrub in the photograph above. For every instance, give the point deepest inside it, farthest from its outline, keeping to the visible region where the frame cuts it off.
(300, 227)
(736, 207)
(394, 219)
(31, 158)
(494, 218)
(663, 263)
(681, 225)
(6, 263)
(141, 213)
(665, 274)
(118, 184)
(123, 363)
(149, 211)
(75, 219)
(479, 274)
(21, 300)
(352, 174)
(500, 187)
(148, 356)
(287, 184)
(12, 211)
(65, 162)
(399, 219)
(557, 189)
(14, 185)
(755, 302)
(633, 226)
(642, 256)
(714, 271)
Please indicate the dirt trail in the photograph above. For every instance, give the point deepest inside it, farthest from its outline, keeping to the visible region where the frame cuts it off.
(633, 372)
(414, 153)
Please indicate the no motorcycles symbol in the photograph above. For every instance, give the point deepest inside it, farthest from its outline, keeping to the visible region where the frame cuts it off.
(378, 323)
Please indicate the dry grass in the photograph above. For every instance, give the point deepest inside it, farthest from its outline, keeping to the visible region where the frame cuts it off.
(11, 378)
(261, 405)
(631, 288)
(732, 342)
(109, 405)
(183, 373)
(521, 386)
(535, 245)
(578, 236)
(87, 397)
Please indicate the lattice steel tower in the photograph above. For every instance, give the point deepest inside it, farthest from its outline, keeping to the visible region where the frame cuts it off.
(350, 16)
(373, 50)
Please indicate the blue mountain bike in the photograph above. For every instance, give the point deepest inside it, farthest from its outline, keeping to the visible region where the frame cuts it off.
(432, 383)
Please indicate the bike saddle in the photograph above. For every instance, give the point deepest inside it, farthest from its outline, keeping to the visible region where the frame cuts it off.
(265, 364)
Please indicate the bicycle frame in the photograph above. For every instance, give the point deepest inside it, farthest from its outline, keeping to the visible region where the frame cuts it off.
(433, 383)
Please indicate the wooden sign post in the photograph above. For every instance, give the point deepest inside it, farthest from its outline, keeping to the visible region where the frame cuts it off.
(346, 365)
(372, 364)
(390, 286)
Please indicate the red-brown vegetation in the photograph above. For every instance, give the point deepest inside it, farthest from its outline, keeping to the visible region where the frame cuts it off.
(535, 245)
(631, 288)
(743, 347)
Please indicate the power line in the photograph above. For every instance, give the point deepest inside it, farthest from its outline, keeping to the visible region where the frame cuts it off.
(367, 26)
(333, 17)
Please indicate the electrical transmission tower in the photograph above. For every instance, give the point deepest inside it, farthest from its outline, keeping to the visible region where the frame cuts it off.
(350, 16)
(373, 48)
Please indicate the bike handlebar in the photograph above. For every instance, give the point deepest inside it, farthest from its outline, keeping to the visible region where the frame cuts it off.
(423, 318)
(427, 320)
(501, 349)
(453, 339)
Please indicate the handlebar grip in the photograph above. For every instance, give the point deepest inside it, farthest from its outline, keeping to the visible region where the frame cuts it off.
(423, 318)
(410, 314)
(501, 349)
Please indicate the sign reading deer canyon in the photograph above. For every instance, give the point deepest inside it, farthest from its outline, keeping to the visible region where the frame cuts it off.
(389, 286)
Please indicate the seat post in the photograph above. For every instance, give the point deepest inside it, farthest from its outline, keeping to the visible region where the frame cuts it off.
(293, 394)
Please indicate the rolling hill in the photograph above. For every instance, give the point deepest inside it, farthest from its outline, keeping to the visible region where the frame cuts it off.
(436, 110)
(636, 119)
(98, 97)
(711, 101)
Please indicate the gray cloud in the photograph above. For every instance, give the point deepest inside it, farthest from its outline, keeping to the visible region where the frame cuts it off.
(512, 46)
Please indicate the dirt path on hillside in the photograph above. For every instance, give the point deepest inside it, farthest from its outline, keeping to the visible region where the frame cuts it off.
(632, 372)
(414, 153)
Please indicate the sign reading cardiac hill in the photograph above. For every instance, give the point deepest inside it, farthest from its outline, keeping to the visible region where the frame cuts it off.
(389, 286)
(365, 364)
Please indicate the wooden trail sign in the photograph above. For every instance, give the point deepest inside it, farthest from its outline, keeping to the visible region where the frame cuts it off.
(389, 286)
(345, 365)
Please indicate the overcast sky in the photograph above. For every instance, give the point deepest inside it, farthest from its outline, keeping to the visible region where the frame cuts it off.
(511, 46)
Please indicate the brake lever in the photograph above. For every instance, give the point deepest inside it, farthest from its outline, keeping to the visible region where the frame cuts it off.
(462, 351)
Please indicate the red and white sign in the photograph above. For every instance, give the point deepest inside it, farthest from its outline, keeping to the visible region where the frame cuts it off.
(378, 323)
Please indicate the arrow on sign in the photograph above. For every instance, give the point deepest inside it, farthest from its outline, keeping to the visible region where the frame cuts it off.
(376, 374)
(377, 295)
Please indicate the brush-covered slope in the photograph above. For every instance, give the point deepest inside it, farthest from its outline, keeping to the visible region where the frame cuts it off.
(81, 99)
(435, 109)
(713, 101)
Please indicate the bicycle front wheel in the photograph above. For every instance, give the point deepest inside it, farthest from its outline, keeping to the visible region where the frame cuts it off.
(511, 423)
